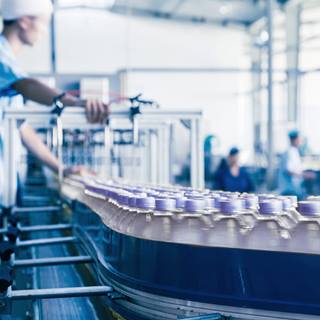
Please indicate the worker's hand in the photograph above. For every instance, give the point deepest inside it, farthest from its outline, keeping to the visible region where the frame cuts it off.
(78, 170)
(97, 111)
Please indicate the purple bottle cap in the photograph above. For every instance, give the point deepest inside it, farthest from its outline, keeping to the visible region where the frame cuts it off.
(96, 189)
(263, 197)
(112, 194)
(106, 192)
(309, 208)
(146, 203)
(230, 206)
(123, 199)
(180, 202)
(91, 188)
(194, 205)
(165, 204)
(271, 206)
(132, 201)
(218, 201)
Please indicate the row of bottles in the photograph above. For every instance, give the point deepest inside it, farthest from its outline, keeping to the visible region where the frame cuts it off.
(202, 216)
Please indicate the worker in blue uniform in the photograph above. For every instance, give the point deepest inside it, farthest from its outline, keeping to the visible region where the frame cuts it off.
(24, 23)
(290, 177)
(291, 172)
(230, 176)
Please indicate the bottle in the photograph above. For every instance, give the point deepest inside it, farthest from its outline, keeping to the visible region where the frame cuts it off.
(227, 226)
(192, 228)
(121, 209)
(141, 215)
(251, 206)
(289, 215)
(306, 233)
(159, 225)
(309, 210)
(230, 206)
(111, 206)
(270, 222)
(131, 212)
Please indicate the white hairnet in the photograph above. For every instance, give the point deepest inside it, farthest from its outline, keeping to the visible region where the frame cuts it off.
(15, 9)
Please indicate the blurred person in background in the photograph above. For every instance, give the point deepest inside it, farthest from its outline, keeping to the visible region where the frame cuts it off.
(230, 176)
(291, 173)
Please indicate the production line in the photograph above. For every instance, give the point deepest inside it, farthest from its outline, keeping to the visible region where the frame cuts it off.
(159, 160)
(39, 220)
(246, 253)
(160, 251)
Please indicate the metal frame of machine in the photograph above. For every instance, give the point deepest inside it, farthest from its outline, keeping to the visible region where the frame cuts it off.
(75, 118)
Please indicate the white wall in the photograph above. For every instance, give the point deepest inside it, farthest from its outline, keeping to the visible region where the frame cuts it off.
(226, 114)
(97, 42)
(309, 91)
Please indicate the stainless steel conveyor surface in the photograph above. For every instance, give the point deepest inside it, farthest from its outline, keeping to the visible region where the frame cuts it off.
(59, 277)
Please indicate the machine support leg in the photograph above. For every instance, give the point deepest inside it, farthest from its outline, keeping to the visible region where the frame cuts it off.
(35, 209)
(53, 227)
(52, 261)
(44, 242)
(59, 293)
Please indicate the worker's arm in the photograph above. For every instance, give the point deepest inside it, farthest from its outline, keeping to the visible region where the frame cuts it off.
(32, 89)
(34, 145)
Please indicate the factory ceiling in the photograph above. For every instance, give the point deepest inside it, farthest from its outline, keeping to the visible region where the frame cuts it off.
(224, 12)
(215, 11)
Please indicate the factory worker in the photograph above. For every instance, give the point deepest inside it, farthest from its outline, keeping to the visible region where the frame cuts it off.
(230, 176)
(24, 22)
(291, 173)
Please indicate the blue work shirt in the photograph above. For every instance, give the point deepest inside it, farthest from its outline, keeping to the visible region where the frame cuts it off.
(10, 73)
(225, 181)
(290, 176)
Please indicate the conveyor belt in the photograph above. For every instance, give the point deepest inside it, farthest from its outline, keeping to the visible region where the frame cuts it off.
(58, 277)
(161, 276)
